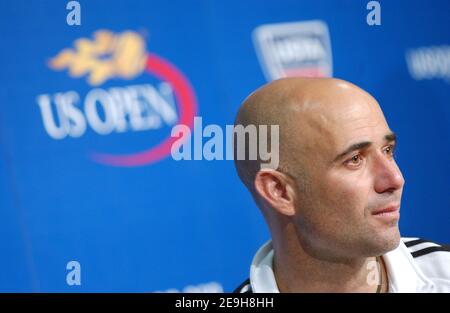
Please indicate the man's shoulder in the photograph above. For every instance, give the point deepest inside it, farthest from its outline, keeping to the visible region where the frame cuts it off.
(245, 287)
(432, 258)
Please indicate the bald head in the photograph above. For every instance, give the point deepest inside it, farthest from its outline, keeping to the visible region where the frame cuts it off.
(305, 109)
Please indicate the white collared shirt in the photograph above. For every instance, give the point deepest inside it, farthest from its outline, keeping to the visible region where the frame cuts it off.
(416, 265)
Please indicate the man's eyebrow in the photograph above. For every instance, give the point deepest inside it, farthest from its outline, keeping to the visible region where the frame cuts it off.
(390, 137)
(364, 144)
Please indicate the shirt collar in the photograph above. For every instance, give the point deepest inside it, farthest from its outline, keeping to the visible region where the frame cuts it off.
(262, 277)
(403, 273)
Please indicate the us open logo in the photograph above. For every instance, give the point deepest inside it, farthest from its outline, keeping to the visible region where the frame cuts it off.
(118, 109)
(299, 49)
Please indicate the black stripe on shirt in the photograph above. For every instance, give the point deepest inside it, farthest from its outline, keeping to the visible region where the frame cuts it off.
(245, 285)
(426, 250)
(415, 242)
(429, 250)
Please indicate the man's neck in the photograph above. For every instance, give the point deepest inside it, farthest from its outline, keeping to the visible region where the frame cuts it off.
(300, 272)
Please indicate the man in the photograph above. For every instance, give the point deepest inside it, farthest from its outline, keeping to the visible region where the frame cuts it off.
(333, 204)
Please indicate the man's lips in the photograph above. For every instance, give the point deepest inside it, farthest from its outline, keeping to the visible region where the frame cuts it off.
(386, 210)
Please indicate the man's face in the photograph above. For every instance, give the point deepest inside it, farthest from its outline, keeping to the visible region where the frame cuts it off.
(347, 153)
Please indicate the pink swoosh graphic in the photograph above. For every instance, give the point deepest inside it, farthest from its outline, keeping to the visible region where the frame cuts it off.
(185, 97)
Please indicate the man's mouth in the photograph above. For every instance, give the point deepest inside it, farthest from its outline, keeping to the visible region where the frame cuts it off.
(389, 212)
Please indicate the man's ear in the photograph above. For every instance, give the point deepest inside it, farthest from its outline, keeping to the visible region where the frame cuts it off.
(277, 189)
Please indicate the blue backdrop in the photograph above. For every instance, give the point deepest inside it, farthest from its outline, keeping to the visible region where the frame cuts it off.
(80, 180)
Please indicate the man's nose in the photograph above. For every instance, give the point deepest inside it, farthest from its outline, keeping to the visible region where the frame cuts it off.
(388, 177)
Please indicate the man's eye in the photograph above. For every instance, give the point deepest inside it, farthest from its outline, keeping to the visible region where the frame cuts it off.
(354, 160)
(390, 150)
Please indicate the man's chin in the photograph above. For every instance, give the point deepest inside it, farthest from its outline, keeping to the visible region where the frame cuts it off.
(388, 240)
(378, 242)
